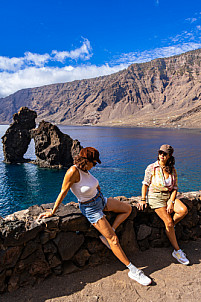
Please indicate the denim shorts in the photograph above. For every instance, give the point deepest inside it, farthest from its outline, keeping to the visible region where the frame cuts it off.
(93, 211)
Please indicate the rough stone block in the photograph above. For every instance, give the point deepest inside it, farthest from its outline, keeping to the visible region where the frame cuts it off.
(68, 244)
(53, 260)
(50, 247)
(82, 257)
(29, 249)
(72, 219)
(9, 257)
(143, 232)
(69, 267)
(2, 281)
(95, 246)
(128, 238)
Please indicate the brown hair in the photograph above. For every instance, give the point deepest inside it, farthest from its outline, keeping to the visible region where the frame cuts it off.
(169, 166)
(80, 162)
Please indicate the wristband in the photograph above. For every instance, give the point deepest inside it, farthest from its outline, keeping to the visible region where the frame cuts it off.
(143, 199)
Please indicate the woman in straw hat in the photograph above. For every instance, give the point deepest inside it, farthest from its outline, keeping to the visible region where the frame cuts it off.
(161, 183)
(92, 204)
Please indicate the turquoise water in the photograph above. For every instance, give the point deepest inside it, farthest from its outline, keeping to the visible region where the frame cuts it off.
(125, 153)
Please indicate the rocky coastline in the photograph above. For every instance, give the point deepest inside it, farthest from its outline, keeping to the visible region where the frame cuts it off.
(31, 250)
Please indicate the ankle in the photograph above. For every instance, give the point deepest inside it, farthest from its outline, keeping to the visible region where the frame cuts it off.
(132, 267)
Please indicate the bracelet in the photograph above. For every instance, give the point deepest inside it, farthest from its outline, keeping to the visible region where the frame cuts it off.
(171, 201)
(143, 199)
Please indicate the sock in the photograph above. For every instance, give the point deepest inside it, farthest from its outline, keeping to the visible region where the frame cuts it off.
(132, 268)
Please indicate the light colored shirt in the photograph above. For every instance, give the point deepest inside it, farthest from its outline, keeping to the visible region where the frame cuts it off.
(154, 178)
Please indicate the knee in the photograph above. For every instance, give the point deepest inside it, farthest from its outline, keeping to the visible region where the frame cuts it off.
(184, 211)
(113, 241)
(169, 224)
(129, 209)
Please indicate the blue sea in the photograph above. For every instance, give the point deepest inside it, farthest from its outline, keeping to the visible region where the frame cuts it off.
(124, 152)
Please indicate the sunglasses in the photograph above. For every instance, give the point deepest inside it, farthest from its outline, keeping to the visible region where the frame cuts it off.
(93, 162)
(162, 153)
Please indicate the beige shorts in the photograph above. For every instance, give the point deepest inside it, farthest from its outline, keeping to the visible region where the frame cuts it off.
(158, 199)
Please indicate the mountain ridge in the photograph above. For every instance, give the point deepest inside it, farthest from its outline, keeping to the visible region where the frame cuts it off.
(161, 93)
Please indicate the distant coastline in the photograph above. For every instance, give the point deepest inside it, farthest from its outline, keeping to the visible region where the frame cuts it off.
(194, 130)
(160, 93)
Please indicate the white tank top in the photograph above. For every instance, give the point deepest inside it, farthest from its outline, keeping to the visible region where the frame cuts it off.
(168, 181)
(86, 188)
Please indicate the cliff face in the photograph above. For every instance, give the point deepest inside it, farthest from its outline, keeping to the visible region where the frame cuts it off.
(163, 92)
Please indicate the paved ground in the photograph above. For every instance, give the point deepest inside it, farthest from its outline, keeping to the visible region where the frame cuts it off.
(110, 283)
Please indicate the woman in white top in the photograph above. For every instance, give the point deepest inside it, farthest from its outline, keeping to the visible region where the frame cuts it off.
(92, 204)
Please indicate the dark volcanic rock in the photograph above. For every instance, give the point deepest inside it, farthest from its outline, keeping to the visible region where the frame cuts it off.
(17, 137)
(68, 244)
(32, 249)
(53, 148)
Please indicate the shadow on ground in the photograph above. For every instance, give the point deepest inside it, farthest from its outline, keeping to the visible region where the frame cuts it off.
(155, 262)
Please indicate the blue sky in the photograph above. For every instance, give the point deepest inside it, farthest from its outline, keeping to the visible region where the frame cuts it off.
(46, 41)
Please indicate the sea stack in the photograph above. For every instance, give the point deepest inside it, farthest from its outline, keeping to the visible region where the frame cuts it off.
(53, 148)
(17, 137)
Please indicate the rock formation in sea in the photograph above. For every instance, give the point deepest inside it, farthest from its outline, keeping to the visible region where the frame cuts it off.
(162, 93)
(17, 137)
(53, 148)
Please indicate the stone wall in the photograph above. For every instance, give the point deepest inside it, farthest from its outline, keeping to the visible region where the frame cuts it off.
(32, 250)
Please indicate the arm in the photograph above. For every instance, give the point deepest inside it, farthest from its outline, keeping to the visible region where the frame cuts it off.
(170, 203)
(143, 203)
(145, 185)
(71, 177)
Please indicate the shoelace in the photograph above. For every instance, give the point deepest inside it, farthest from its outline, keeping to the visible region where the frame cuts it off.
(181, 254)
(139, 272)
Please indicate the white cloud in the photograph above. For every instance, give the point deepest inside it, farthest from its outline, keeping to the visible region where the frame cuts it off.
(148, 55)
(33, 76)
(84, 53)
(36, 59)
(191, 20)
(33, 59)
(32, 70)
(11, 64)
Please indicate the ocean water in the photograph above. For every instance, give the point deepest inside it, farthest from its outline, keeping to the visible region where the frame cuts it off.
(124, 152)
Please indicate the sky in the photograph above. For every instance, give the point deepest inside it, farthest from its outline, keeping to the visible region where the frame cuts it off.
(44, 41)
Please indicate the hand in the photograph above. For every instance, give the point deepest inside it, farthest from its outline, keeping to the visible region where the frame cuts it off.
(170, 207)
(141, 205)
(46, 214)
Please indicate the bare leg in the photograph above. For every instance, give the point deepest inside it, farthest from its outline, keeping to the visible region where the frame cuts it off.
(124, 210)
(169, 225)
(106, 230)
(180, 211)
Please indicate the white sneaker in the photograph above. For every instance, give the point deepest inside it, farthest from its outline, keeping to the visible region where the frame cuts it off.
(140, 277)
(180, 256)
